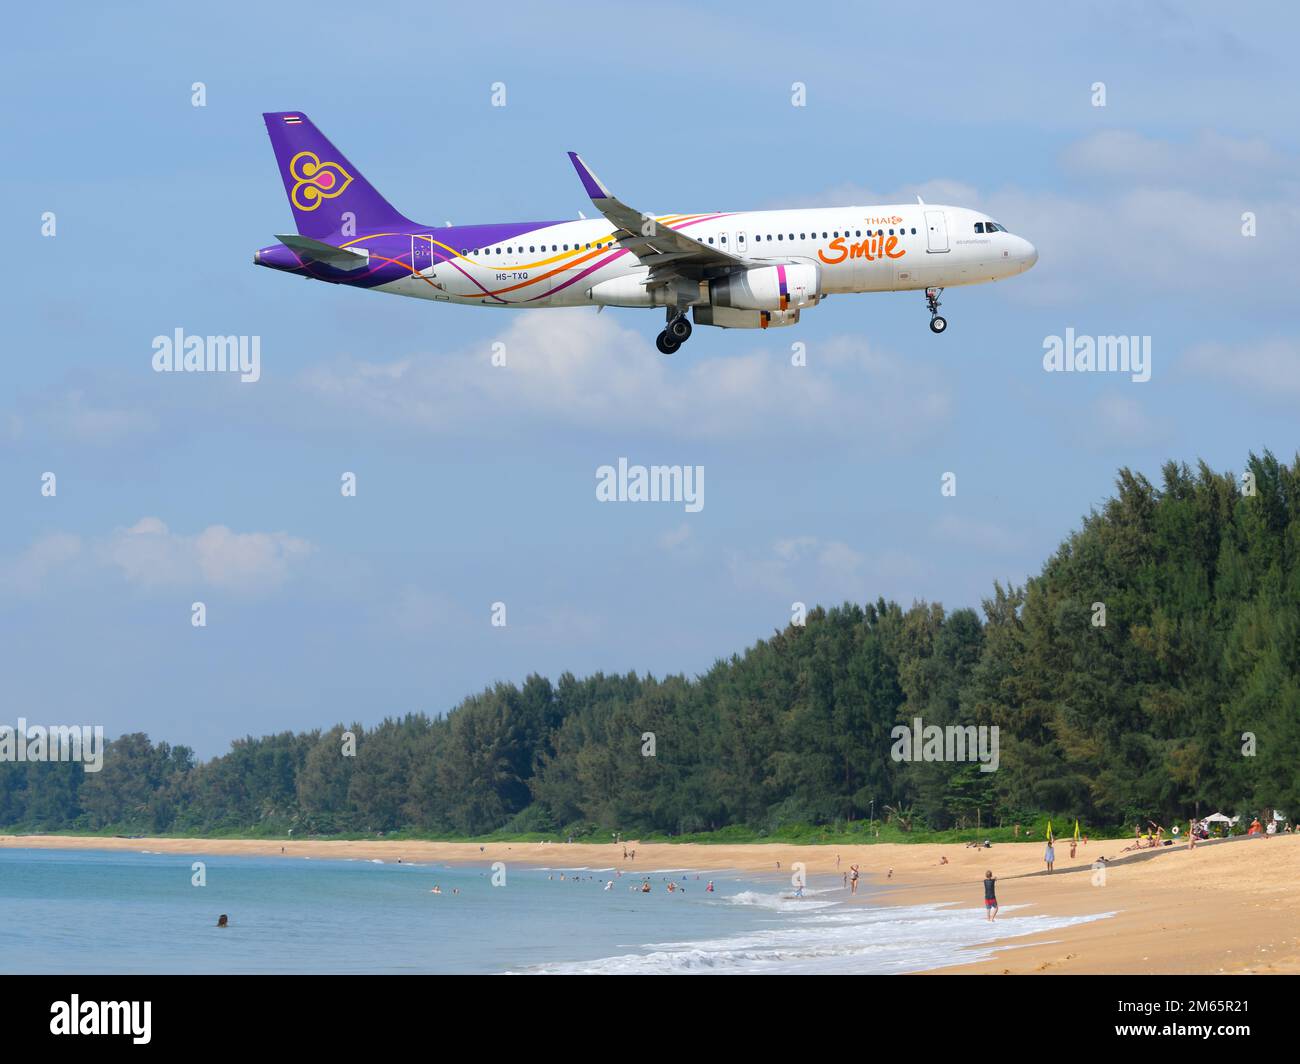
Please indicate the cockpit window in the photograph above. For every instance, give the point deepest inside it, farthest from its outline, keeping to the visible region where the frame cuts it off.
(991, 227)
(979, 227)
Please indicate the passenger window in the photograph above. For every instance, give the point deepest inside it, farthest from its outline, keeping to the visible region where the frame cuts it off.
(723, 238)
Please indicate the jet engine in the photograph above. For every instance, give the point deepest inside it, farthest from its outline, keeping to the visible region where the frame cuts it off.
(776, 288)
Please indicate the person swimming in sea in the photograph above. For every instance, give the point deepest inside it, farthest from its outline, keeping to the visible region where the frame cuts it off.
(223, 920)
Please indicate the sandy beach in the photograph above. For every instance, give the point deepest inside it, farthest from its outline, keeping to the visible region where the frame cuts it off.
(1228, 908)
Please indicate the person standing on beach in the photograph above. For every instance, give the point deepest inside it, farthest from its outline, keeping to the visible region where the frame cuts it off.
(1049, 856)
(990, 895)
(853, 879)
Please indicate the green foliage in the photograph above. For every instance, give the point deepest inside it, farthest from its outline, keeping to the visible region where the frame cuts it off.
(1143, 718)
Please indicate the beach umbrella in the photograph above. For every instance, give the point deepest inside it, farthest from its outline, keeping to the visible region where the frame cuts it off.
(1049, 831)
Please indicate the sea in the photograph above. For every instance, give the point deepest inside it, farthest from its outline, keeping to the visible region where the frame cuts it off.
(112, 911)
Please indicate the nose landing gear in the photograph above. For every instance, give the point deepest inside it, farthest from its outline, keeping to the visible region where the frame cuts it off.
(937, 324)
(676, 332)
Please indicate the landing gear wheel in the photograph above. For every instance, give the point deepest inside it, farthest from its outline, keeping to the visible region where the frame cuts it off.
(666, 344)
(679, 329)
(937, 324)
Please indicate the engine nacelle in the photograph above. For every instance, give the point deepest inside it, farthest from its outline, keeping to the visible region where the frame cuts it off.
(729, 318)
(783, 287)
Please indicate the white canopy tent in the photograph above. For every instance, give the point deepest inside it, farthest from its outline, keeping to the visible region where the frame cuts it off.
(1219, 818)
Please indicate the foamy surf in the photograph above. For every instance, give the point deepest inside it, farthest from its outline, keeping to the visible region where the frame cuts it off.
(786, 902)
(832, 939)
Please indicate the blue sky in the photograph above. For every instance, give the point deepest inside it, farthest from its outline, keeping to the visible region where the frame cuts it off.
(476, 484)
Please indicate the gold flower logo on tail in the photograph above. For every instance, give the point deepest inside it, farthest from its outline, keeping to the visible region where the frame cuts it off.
(314, 181)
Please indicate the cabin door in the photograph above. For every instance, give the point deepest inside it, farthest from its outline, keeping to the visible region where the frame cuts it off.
(936, 231)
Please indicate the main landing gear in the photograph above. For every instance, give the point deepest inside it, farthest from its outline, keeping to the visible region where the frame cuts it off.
(937, 324)
(676, 332)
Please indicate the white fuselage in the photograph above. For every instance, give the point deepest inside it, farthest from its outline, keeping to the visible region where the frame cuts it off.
(857, 249)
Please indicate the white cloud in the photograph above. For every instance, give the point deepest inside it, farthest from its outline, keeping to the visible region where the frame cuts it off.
(587, 371)
(27, 573)
(812, 569)
(150, 556)
(70, 415)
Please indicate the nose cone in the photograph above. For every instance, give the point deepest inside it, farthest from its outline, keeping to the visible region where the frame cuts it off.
(1028, 255)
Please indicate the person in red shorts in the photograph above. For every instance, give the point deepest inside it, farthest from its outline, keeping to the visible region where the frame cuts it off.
(990, 896)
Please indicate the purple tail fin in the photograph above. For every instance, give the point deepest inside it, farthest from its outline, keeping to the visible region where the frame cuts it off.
(329, 196)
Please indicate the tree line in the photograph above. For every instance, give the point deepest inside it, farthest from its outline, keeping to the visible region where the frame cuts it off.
(1150, 670)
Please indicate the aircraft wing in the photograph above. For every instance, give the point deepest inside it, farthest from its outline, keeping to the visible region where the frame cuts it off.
(667, 252)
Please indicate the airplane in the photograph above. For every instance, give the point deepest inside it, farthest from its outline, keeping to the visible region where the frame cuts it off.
(745, 270)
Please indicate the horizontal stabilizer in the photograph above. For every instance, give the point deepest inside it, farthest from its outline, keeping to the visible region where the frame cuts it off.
(325, 254)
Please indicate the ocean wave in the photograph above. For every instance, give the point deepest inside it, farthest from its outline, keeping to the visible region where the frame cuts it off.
(780, 902)
(857, 939)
